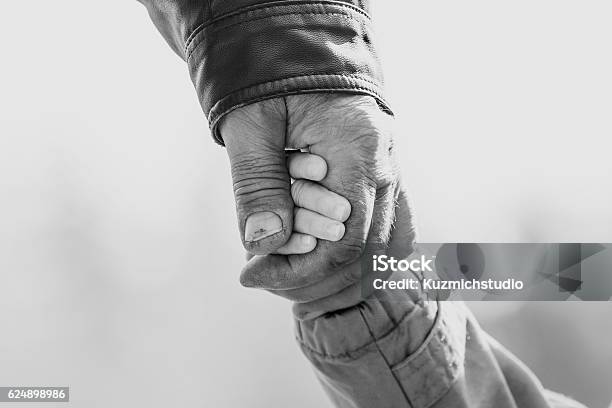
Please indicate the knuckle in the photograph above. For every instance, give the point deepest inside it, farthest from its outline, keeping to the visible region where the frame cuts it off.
(343, 210)
(259, 196)
(253, 164)
(253, 181)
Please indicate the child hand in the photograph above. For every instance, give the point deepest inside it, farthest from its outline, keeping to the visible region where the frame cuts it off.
(319, 213)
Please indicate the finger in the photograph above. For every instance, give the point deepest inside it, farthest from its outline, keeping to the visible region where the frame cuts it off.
(255, 139)
(306, 166)
(298, 271)
(378, 244)
(298, 244)
(311, 223)
(401, 246)
(354, 138)
(315, 197)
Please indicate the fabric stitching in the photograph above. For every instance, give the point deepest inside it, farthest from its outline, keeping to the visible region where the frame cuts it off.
(416, 366)
(214, 117)
(266, 6)
(451, 378)
(321, 74)
(437, 327)
(189, 52)
(382, 355)
(359, 349)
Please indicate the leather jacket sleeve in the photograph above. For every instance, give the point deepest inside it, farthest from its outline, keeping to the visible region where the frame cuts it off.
(243, 51)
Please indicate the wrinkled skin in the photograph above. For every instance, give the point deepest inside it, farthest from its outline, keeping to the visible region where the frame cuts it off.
(354, 137)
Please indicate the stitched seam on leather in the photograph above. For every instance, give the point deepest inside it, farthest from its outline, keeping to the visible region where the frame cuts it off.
(315, 75)
(268, 6)
(189, 53)
(198, 30)
(358, 350)
(347, 89)
(249, 95)
(213, 118)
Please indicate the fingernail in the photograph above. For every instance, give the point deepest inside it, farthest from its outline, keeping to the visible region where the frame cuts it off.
(309, 242)
(343, 212)
(318, 169)
(262, 225)
(336, 231)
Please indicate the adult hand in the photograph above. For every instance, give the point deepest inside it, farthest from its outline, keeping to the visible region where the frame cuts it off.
(354, 137)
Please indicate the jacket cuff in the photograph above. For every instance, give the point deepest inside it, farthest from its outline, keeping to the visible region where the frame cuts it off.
(386, 322)
(387, 355)
(282, 48)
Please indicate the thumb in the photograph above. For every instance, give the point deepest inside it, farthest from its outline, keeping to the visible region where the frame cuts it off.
(255, 139)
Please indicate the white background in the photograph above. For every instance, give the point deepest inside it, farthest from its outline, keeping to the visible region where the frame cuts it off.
(119, 254)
